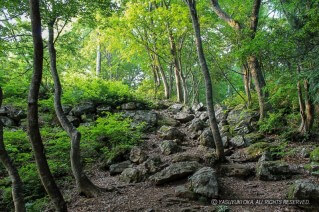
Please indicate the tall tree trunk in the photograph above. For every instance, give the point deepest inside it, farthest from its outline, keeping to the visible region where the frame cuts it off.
(306, 109)
(259, 84)
(247, 84)
(17, 187)
(33, 125)
(98, 59)
(179, 92)
(208, 83)
(84, 185)
(164, 79)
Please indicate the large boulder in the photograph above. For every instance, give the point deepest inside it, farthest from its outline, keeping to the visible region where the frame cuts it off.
(197, 125)
(131, 175)
(186, 156)
(168, 147)
(243, 128)
(204, 116)
(151, 165)
(165, 119)
(184, 117)
(305, 190)
(220, 113)
(12, 113)
(7, 122)
(204, 182)
(170, 133)
(175, 171)
(274, 170)
(84, 108)
(236, 170)
(207, 139)
(139, 116)
(137, 155)
(118, 168)
(129, 106)
(102, 109)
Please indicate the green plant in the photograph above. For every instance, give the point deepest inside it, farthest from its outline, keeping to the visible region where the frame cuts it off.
(272, 123)
(314, 155)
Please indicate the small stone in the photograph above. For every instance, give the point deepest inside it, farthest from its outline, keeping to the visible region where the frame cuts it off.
(131, 175)
(137, 155)
(168, 147)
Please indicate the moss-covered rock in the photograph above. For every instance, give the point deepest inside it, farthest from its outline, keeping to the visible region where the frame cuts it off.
(274, 170)
(314, 155)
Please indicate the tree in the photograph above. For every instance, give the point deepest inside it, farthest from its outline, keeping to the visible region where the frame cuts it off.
(208, 83)
(33, 124)
(17, 187)
(253, 65)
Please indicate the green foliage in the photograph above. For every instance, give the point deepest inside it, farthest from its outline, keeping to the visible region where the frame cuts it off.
(314, 155)
(90, 88)
(272, 123)
(258, 148)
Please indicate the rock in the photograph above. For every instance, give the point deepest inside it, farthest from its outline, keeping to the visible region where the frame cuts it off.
(204, 182)
(305, 190)
(254, 137)
(207, 154)
(152, 165)
(244, 155)
(239, 113)
(266, 156)
(236, 170)
(118, 168)
(184, 117)
(13, 113)
(101, 110)
(139, 116)
(74, 120)
(7, 122)
(242, 128)
(220, 113)
(238, 141)
(66, 109)
(85, 108)
(225, 141)
(206, 138)
(137, 155)
(198, 107)
(170, 133)
(168, 147)
(274, 170)
(175, 171)
(197, 125)
(129, 106)
(186, 157)
(175, 108)
(86, 118)
(165, 119)
(204, 116)
(183, 192)
(131, 175)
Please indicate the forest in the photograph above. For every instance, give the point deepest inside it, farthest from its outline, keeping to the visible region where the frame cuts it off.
(159, 105)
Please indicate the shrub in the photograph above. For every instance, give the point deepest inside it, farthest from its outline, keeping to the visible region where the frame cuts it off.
(272, 123)
(314, 155)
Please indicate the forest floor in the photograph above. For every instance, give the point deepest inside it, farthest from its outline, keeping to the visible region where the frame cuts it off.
(147, 197)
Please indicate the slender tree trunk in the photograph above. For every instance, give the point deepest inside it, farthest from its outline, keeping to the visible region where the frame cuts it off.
(247, 82)
(179, 92)
(209, 88)
(33, 125)
(84, 185)
(98, 60)
(164, 79)
(171, 79)
(17, 186)
(259, 84)
(306, 109)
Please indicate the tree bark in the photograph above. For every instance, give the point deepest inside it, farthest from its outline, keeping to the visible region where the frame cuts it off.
(306, 109)
(17, 186)
(163, 76)
(84, 185)
(247, 84)
(33, 125)
(98, 60)
(208, 83)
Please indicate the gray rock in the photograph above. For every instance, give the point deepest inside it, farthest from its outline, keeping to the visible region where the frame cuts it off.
(207, 139)
(197, 125)
(305, 190)
(198, 107)
(236, 170)
(274, 170)
(118, 168)
(85, 118)
(7, 122)
(175, 171)
(168, 147)
(204, 116)
(129, 106)
(238, 141)
(137, 155)
(184, 117)
(74, 120)
(254, 137)
(170, 133)
(139, 116)
(266, 156)
(13, 113)
(243, 128)
(66, 109)
(184, 192)
(175, 108)
(151, 165)
(186, 157)
(239, 113)
(131, 175)
(220, 113)
(101, 110)
(85, 108)
(225, 141)
(204, 182)
(165, 119)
